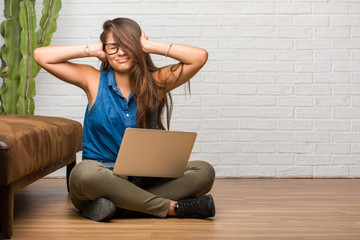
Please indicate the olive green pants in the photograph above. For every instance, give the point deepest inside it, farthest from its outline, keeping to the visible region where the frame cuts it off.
(90, 180)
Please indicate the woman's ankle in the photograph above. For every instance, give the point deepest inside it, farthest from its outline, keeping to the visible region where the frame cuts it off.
(171, 211)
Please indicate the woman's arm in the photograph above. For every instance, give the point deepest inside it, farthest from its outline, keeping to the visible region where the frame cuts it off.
(193, 59)
(54, 59)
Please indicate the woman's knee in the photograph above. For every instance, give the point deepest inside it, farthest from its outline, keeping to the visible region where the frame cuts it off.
(205, 168)
(83, 173)
(205, 174)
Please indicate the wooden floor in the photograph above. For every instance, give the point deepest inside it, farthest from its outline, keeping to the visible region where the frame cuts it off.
(246, 209)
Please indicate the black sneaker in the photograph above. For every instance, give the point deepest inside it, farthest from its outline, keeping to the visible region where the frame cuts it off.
(200, 207)
(100, 210)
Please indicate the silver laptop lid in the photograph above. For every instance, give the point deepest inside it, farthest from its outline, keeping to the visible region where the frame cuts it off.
(154, 153)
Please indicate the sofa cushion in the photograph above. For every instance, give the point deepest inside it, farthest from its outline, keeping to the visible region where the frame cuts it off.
(31, 143)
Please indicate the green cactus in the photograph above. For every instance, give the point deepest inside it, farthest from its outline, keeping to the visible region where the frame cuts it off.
(18, 68)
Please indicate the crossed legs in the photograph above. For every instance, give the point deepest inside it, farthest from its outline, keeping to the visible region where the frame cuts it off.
(90, 180)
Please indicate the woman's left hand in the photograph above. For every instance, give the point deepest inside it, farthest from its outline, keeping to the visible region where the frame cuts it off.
(144, 42)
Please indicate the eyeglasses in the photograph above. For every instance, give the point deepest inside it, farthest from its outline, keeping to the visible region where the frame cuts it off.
(111, 48)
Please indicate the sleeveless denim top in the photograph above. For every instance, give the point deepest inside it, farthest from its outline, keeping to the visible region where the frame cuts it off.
(106, 121)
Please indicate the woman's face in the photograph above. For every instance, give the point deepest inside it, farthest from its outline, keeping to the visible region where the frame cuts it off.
(119, 61)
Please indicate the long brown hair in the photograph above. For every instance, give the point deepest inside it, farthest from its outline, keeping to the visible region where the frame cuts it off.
(152, 97)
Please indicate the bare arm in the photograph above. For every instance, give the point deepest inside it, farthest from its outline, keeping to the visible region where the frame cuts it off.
(193, 59)
(54, 59)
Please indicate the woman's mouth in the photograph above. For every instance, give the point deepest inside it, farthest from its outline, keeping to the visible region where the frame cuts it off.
(122, 60)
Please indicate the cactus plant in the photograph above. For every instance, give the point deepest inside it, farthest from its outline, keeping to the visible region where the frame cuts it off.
(18, 68)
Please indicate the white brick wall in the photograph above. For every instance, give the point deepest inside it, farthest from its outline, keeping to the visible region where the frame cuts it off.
(278, 96)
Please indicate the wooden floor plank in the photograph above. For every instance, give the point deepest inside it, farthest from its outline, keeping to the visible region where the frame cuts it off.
(307, 209)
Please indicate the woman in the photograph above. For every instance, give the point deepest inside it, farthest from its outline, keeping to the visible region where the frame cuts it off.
(129, 91)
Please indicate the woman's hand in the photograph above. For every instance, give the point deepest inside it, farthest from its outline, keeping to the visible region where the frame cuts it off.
(96, 50)
(144, 42)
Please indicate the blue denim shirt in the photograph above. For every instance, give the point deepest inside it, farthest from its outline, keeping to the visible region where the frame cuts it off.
(106, 121)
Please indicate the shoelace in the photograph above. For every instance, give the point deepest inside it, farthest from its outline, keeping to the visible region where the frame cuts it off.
(189, 207)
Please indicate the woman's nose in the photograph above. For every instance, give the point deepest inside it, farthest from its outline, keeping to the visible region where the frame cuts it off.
(121, 52)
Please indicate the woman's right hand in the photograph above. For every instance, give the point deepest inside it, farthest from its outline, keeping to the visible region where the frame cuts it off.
(96, 50)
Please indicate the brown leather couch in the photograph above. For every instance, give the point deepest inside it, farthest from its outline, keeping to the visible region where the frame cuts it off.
(31, 147)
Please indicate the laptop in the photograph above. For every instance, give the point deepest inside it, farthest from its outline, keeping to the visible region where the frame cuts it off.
(154, 153)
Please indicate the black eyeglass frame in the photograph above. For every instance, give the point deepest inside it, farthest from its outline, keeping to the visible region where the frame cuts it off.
(113, 44)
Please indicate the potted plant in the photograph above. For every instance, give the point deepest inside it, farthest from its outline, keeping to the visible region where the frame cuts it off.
(18, 68)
